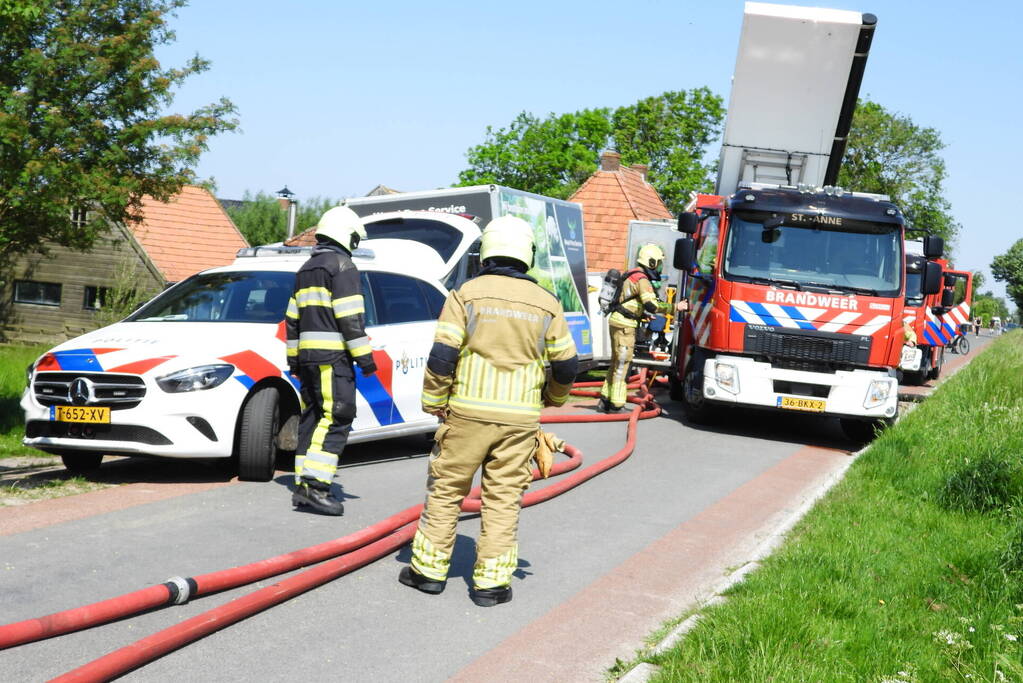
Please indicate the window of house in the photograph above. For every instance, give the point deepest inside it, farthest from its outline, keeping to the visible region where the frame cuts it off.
(79, 216)
(96, 298)
(32, 292)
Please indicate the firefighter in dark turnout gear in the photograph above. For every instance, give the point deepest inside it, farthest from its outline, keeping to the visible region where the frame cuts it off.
(325, 335)
(486, 380)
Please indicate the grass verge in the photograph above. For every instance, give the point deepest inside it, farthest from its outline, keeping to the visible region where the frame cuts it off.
(910, 569)
(29, 490)
(13, 361)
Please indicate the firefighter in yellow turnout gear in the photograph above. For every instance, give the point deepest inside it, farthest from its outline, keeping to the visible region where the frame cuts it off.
(325, 335)
(485, 378)
(637, 302)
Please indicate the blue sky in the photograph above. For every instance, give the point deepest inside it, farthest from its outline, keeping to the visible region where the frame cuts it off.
(337, 97)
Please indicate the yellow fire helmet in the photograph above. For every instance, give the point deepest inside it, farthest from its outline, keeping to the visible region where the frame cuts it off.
(342, 225)
(509, 237)
(650, 256)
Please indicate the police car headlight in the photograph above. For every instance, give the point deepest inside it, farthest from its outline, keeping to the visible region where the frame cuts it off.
(195, 379)
(727, 376)
(878, 392)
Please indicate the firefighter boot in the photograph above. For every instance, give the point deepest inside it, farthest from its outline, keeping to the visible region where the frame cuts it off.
(605, 406)
(488, 597)
(410, 577)
(317, 495)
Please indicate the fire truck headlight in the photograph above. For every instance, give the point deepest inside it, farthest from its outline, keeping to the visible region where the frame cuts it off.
(195, 379)
(727, 376)
(878, 392)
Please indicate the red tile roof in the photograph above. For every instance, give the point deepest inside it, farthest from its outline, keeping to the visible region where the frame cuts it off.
(306, 238)
(610, 200)
(189, 233)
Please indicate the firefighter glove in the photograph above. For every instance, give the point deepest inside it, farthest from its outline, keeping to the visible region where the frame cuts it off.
(546, 446)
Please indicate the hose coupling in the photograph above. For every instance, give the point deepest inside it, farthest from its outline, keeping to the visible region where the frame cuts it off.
(180, 589)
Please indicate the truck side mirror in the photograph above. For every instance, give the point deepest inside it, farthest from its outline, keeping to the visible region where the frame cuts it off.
(688, 222)
(949, 279)
(948, 298)
(685, 254)
(932, 278)
(934, 246)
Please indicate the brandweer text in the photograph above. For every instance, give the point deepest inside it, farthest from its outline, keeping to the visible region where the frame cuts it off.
(810, 299)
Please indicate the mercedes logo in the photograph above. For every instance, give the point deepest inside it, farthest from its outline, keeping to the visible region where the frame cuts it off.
(81, 391)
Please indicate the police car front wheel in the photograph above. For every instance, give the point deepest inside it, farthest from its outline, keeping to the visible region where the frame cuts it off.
(257, 435)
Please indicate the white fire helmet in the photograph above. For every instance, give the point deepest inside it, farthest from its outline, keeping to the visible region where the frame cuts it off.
(342, 225)
(509, 237)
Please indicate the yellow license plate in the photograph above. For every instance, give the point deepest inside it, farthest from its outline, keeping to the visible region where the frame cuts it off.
(814, 405)
(90, 414)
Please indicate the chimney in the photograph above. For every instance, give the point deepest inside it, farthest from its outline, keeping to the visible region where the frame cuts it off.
(642, 168)
(283, 203)
(610, 161)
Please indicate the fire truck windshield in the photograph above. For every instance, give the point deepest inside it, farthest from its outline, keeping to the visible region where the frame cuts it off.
(865, 261)
(914, 295)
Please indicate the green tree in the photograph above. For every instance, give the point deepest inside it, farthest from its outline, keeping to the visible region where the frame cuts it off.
(83, 121)
(670, 133)
(987, 305)
(978, 280)
(262, 219)
(553, 156)
(889, 154)
(1008, 268)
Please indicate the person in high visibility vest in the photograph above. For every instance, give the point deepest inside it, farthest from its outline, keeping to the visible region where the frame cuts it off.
(638, 302)
(325, 335)
(486, 380)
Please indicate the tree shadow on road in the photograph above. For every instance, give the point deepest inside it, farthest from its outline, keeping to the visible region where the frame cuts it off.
(797, 428)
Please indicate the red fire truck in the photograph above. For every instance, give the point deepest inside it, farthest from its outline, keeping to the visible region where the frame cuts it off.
(938, 319)
(796, 303)
(796, 287)
(924, 362)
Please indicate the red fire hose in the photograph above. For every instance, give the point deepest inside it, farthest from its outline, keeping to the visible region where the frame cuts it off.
(350, 552)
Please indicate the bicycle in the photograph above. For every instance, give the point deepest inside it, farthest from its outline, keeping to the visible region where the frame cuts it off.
(959, 344)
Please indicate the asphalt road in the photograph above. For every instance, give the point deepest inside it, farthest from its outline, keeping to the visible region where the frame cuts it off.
(366, 626)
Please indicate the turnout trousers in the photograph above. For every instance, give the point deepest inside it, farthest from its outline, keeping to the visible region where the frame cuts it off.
(463, 446)
(623, 344)
(328, 409)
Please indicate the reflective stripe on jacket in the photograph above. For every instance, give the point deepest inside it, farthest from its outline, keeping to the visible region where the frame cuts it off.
(493, 338)
(638, 297)
(324, 321)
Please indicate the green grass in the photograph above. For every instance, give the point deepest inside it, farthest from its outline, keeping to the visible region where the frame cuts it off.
(56, 486)
(13, 361)
(911, 569)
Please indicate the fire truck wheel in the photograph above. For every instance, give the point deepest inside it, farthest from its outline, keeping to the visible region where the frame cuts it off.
(257, 436)
(696, 409)
(914, 378)
(81, 463)
(935, 371)
(675, 389)
(863, 431)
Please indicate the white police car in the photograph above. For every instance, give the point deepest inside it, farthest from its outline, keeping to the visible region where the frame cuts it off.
(200, 371)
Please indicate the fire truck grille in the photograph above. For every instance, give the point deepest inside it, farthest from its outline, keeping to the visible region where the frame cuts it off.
(118, 392)
(807, 347)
